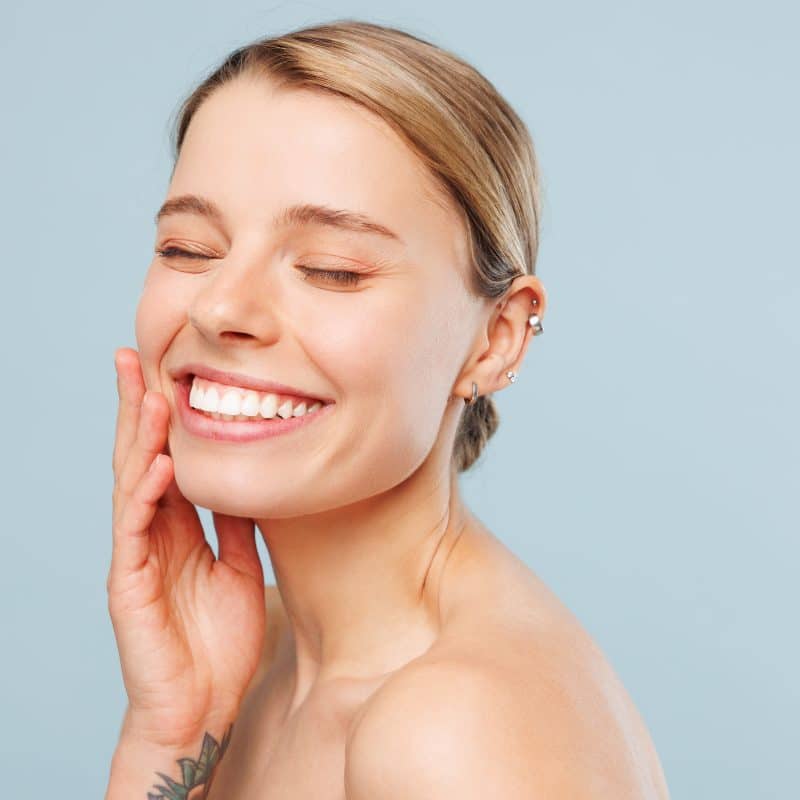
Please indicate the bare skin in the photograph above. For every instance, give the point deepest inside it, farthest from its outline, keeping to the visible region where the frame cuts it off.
(497, 617)
(402, 638)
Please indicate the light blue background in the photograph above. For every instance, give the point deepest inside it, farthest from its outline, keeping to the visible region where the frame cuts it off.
(647, 462)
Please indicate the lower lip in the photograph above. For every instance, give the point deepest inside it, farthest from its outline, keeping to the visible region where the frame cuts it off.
(200, 424)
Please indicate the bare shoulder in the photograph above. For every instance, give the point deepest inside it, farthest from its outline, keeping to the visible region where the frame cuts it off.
(515, 701)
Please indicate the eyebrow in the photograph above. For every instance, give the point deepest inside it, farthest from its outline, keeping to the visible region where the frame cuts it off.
(296, 215)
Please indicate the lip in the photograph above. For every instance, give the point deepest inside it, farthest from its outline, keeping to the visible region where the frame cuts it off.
(180, 374)
(201, 425)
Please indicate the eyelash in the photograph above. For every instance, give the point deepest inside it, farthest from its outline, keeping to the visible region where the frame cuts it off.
(334, 276)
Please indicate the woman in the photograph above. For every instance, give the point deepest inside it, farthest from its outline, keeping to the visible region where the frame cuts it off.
(343, 276)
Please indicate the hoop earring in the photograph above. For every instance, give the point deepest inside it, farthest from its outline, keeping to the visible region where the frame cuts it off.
(474, 395)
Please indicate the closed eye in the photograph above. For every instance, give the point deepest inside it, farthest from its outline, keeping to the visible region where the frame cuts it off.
(176, 252)
(333, 275)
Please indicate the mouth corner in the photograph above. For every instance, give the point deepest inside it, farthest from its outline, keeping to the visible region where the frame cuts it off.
(184, 380)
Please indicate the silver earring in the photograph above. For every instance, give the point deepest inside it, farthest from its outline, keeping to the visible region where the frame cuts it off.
(534, 321)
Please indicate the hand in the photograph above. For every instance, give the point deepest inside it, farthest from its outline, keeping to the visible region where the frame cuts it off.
(189, 627)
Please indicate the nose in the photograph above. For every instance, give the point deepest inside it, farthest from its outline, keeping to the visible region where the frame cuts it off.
(234, 304)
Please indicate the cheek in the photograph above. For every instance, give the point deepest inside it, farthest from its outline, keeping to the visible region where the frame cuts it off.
(392, 360)
(159, 316)
(401, 343)
(426, 347)
(374, 348)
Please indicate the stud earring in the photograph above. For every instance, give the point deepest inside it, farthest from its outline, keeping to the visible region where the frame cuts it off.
(534, 321)
(511, 375)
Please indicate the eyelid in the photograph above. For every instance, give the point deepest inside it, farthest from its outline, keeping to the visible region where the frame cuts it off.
(178, 252)
(343, 277)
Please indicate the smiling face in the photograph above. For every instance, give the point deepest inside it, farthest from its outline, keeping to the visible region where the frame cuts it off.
(385, 346)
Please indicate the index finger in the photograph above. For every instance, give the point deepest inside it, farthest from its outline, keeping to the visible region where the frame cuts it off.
(130, 388)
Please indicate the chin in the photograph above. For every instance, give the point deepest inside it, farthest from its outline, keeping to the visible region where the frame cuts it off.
(245, 496)
(206, 489)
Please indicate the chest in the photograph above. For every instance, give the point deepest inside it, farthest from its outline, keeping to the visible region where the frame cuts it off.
(299, 758)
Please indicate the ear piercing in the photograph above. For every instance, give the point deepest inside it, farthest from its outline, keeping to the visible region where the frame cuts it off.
(536, 324)
(533, 319)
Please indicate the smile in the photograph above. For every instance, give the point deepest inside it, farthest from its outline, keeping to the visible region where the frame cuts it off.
(220, 400)
(218, 411)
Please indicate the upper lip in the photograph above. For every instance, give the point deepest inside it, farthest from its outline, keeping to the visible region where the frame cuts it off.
(238, 379)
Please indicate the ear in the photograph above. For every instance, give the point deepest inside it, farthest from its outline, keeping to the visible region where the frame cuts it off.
(505, 338)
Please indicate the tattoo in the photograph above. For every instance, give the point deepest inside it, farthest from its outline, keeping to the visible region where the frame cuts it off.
(196, 774)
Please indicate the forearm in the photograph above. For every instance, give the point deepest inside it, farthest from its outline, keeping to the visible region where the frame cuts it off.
(144, 769)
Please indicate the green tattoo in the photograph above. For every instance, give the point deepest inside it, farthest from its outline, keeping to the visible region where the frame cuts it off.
(196, 774)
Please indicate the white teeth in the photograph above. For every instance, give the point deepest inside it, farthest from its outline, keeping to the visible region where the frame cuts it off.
(239, 403)
(269, 405)
(231, 403)
(250, 405)
(210, 400)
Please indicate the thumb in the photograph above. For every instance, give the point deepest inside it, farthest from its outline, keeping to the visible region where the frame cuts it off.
(237, 544)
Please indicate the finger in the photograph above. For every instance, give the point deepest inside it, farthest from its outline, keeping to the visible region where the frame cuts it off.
(131, 546)
(237, 544)
(130, 389)
(151, 435)
(173, 497)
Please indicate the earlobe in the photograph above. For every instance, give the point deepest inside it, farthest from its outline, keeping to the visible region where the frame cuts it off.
(483, 379)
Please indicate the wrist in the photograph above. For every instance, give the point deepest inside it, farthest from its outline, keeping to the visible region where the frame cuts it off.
(169, 732)
(141, 765)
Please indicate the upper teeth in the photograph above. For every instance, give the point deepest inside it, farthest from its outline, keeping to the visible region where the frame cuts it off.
(232, 401)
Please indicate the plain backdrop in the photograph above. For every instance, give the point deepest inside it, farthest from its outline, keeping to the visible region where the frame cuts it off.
(646, 466)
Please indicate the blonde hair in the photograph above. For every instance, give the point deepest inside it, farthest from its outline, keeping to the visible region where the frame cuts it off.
(474, 144)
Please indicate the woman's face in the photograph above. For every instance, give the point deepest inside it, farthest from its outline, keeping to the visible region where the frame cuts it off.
(386, 350)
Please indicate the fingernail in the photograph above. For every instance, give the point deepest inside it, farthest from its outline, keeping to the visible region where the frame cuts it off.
(154, 464)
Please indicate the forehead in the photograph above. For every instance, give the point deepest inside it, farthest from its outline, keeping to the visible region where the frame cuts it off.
(255, 149)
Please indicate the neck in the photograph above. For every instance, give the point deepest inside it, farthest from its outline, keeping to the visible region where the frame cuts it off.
(360, 584)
